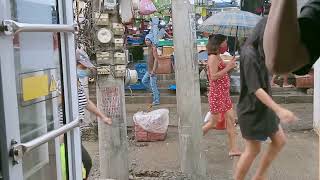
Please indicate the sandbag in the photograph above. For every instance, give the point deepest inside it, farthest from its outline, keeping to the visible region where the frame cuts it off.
(155, 121)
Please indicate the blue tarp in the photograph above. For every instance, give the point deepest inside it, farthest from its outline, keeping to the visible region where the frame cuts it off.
(172, 87)
(203, 56)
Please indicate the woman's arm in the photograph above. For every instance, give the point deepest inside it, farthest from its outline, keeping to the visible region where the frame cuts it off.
(213, 63)
(93, 109)
(283, 48)
(284, 115)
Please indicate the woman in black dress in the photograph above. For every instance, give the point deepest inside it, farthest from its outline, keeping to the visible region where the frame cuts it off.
(258, 114)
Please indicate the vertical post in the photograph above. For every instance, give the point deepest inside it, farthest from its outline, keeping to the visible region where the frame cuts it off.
(113, 144)
(192, 160)
(316, 98)
(316, 101)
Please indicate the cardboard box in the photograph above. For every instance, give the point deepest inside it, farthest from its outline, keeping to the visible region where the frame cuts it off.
(164, 65)
(167, 51)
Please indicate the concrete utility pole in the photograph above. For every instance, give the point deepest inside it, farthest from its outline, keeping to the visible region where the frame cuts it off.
(113, 146)
(111, 60)
(192, 159)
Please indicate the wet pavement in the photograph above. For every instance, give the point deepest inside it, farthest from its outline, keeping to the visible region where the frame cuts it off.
(160, 160)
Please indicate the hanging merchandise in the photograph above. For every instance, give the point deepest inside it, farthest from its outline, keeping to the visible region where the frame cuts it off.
(137, 22)
(163, 6)
(200, 20)
(147, 7)
(136, 5)
(166, 19)
(203, 12)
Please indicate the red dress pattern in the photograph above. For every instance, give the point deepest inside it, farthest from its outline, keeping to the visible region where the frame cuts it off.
(219, 92)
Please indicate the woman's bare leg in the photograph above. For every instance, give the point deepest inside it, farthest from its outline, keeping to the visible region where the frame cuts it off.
(252, 149)
(278, 142)
(232, 135)
(210, 124)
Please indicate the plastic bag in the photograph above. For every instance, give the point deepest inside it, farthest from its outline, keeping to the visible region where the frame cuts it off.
(207, 118)
(203, 75)
(155, 121)
(221, 123)
(147, 7)
(235, 84)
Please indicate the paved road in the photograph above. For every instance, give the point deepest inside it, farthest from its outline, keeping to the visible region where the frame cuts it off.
(298, 161)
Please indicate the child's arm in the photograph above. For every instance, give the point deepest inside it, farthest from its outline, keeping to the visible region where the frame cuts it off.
(93, 108)
(213, 63)
(284, 115)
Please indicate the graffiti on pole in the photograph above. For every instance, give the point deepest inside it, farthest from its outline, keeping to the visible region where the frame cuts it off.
(111, 102)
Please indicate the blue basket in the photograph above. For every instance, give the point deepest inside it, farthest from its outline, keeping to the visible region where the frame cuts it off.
(137, 86)
(172, 87)
(141, 69)
(135, 41)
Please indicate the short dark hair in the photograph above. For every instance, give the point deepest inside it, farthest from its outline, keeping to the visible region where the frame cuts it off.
(255, 40)
(214, 42)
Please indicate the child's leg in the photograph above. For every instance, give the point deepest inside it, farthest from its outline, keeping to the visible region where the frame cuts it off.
(210, 124)
(146, 80)
(278, 141)
(247, 157)
(232, 135)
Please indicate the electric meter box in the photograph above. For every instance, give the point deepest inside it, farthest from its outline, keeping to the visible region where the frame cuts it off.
(102, 19)
(119, 71)
(118, 43)
(118, 29)
(104, 58)
(119, 58)
(104, 70)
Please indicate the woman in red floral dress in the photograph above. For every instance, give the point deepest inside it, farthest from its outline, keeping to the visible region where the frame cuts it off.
(219, 93)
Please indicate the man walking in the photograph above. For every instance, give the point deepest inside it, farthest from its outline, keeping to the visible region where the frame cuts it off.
(150, 78)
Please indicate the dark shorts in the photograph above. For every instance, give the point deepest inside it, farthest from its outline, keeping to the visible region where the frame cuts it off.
(258, 138)
(253, 129)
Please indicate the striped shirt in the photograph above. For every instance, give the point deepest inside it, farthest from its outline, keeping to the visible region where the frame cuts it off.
(82, 101)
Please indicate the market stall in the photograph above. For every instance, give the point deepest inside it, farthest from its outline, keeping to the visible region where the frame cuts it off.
(152, 17)
(159, 23)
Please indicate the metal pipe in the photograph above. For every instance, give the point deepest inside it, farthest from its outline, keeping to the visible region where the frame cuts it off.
(13, 27)
(18, 150)
(51, 135)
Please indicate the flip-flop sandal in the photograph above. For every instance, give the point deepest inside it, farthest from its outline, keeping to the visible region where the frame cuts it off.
(232, 155)
(288, 86)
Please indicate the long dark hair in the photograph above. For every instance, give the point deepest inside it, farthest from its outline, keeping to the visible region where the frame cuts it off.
(255, 40)
(214, 43)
